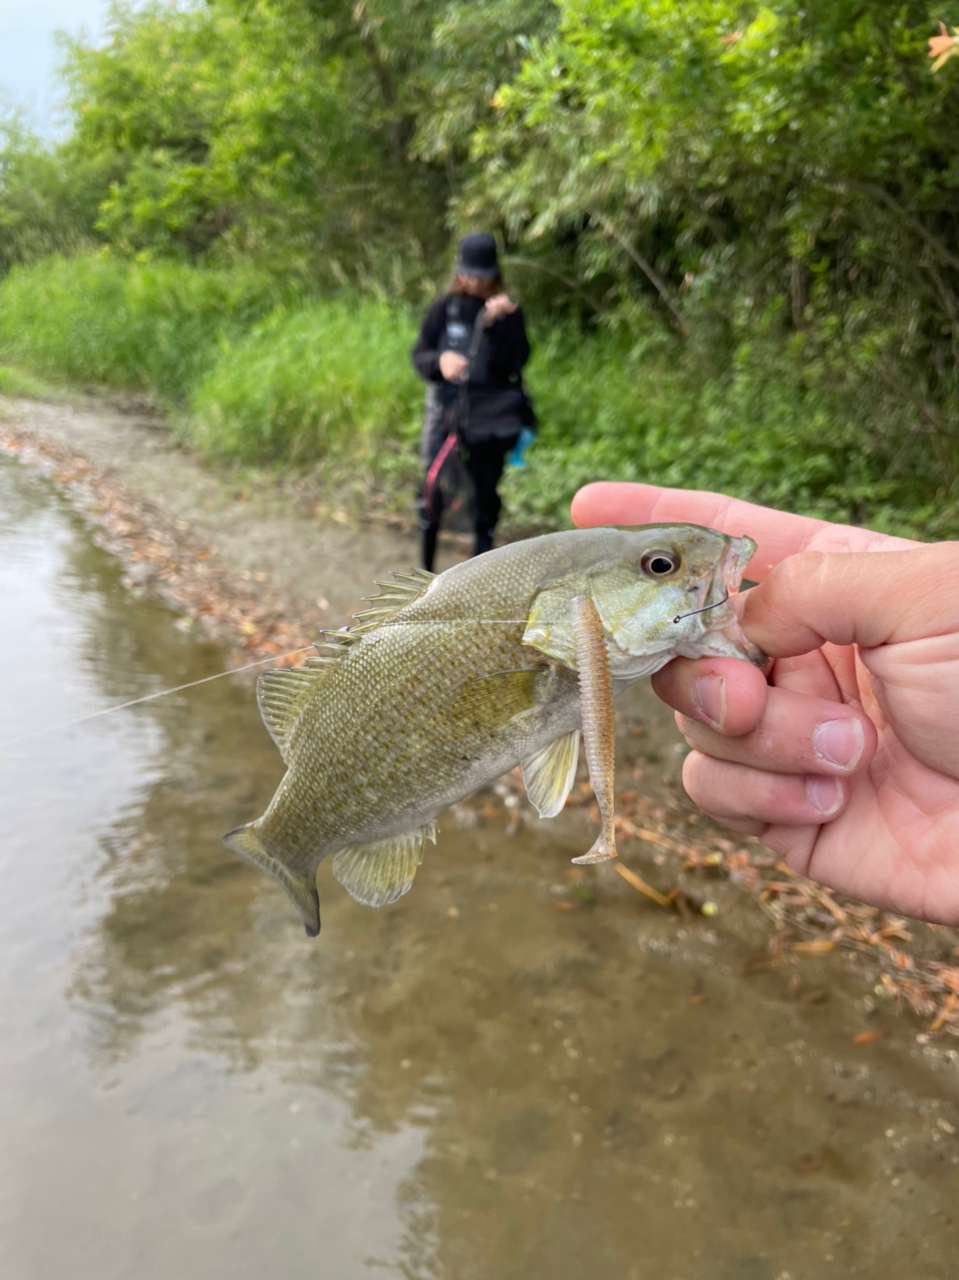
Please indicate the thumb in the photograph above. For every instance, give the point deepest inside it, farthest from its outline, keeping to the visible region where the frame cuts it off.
(864, 598)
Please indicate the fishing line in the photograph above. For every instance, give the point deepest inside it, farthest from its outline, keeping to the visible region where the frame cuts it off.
(162, 693)
(260, 662)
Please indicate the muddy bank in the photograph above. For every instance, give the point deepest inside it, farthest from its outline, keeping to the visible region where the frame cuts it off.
(260, 539)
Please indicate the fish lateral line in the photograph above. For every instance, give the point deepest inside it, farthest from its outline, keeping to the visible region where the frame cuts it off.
(262, 662)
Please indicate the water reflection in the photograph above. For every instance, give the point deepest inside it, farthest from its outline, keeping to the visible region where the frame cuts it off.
(136, 1094)
(470, 1084)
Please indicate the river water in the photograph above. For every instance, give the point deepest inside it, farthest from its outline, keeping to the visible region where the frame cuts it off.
(470, 1085)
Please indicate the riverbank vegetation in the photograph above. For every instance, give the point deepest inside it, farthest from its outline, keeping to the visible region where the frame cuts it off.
(734, 232)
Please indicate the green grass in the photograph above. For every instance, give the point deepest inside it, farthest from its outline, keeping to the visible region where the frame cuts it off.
(637, 407)
(98, 321)
(17, 383)
(331, 379)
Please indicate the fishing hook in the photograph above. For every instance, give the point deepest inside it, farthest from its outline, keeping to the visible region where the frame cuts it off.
(679, 617)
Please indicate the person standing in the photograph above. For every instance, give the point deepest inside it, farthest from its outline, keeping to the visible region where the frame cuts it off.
(471, 350)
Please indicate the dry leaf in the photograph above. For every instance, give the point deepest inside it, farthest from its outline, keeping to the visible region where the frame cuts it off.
(639, 883)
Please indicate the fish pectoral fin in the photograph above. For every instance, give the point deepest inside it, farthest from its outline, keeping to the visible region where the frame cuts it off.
(377, 874)
(281, 697)
(550, 773)
(490, 702)
(248, 845)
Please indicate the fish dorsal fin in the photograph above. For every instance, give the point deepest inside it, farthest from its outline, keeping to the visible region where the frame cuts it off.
(282, 695)
(379, 873)
(550, 773)
(338, 643)
(395, 595)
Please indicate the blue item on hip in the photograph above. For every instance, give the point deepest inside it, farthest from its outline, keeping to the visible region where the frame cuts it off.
(515, 456)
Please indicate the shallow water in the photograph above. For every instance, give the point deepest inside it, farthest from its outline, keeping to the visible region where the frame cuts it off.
(471, 1084)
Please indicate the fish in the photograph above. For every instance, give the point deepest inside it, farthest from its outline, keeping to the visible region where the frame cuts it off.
(447, 682)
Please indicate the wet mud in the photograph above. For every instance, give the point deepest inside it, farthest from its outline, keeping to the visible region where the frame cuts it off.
(512, 1072)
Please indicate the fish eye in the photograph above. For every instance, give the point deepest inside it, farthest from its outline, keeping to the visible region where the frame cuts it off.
(659, 564)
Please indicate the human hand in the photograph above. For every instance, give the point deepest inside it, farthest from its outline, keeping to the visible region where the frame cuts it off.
(847, 762)
(501, 304)
(453, 366)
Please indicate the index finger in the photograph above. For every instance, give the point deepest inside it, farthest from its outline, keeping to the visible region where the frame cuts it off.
(778, 534)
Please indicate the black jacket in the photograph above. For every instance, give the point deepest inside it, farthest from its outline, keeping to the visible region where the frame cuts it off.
(497, 401)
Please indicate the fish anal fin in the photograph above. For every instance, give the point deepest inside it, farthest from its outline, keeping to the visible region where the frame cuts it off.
(378, 873)
(282, 695)
(248, 845)
(550, 773)
(491, 702)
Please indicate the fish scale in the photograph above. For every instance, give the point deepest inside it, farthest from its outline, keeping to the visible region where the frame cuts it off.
(445, 683)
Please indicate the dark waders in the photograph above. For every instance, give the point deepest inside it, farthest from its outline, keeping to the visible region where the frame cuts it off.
(482, 465)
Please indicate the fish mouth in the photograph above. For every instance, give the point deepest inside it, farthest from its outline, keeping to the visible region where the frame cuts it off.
(731, 569)
(733, 564)
(716, 588)
(726, 637)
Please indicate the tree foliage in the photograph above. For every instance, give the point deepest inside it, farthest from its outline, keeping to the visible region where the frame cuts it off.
(787, 169)
(49, 196)
(748, 155)
(297, 131)
(768, 187)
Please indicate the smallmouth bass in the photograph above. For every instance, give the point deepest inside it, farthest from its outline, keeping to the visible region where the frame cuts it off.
(447, 682)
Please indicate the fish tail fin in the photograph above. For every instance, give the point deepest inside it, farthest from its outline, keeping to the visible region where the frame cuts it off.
(246, 842)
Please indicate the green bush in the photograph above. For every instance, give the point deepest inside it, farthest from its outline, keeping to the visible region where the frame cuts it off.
(771, 429)
(98, 321)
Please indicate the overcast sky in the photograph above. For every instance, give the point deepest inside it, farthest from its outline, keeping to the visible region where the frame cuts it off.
(27, 52)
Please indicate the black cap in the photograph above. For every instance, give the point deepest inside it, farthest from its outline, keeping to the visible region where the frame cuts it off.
(476, 255)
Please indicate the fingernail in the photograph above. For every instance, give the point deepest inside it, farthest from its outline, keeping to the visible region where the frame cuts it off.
(825, 795)
(839, 742)
(709, 699)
